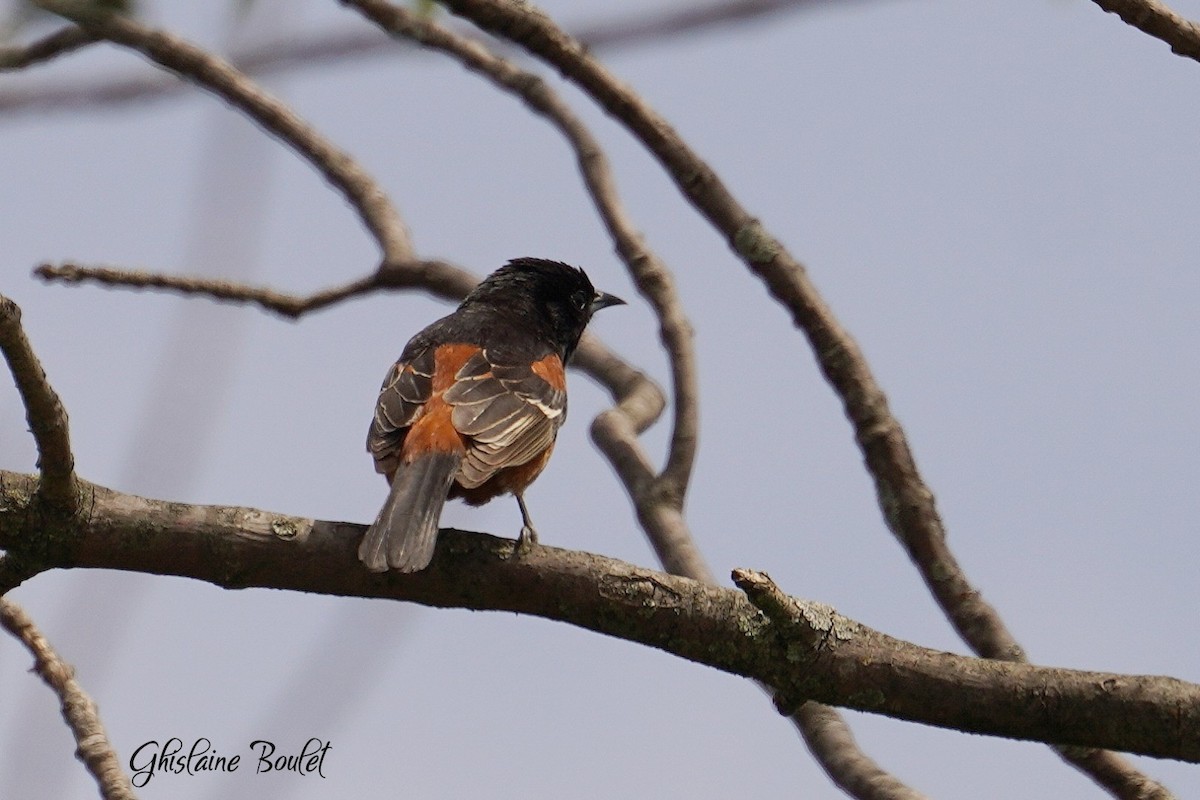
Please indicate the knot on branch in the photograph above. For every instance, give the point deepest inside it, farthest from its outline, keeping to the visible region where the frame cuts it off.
(805, 627)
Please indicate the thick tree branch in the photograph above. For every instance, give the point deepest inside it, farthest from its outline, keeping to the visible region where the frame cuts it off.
(803, 650)
(219, 77)
(12, 572)
(906, 501)
(94, 749)
(44, 411)
(1159, 21)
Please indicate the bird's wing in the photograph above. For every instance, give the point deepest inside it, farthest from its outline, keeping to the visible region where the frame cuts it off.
(508, 410)
(405, 390)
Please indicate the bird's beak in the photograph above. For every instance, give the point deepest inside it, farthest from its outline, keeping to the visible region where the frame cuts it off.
(604, 300)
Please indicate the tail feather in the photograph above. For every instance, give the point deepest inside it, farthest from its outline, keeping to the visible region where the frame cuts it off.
(403, 535)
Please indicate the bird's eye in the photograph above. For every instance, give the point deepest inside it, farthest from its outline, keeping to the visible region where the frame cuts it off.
(581, 301)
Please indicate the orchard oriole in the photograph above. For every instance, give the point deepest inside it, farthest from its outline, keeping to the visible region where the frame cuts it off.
(472, 407)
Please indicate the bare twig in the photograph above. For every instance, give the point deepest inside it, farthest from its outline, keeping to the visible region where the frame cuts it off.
(48, 47)
(850, 664)
(94, 749)
(44, 411)
(1159, 21)
(325, 48)
(219, 77)
(283, 304)
(906, 501)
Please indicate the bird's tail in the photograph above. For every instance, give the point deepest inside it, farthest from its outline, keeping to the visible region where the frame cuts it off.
(403, 535)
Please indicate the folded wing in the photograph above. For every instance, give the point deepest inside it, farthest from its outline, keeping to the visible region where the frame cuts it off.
(510, 413)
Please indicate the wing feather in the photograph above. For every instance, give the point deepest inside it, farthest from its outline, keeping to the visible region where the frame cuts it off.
(510, 414)
(406, 388)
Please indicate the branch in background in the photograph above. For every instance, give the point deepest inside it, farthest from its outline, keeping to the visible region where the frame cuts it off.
(49, 47)
(94, 749)
(1158, 20)
(1114, 773)
(286, 305)
(44, 411)
(656, 26)
(219, 77)
(325, 48)
(833, 744)
(906, 501)
(800, 648)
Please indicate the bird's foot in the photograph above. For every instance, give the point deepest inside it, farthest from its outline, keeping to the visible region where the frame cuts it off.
(526, 541)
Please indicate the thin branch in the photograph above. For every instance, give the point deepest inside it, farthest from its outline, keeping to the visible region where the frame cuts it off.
(906, 501)
(800, 648)
(325, 48)
(1158, 20)
(286, 305)
(45, 49)
(219, 77)
(832, 742)
(44, 411)
(94, 749)
(1114, 773)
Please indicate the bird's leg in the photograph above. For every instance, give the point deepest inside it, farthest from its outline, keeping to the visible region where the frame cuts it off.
(528, 538)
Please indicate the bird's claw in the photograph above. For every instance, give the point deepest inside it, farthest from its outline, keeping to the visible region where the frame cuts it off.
(526, 541)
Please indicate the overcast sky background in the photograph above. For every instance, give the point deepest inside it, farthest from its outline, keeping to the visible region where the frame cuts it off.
(997, 198)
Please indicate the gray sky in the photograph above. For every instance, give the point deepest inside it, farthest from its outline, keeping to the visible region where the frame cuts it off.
(997, 198)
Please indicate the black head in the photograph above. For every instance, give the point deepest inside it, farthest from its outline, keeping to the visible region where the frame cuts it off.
(555, 298)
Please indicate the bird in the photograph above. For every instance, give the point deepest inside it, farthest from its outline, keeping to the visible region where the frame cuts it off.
(472, 407)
